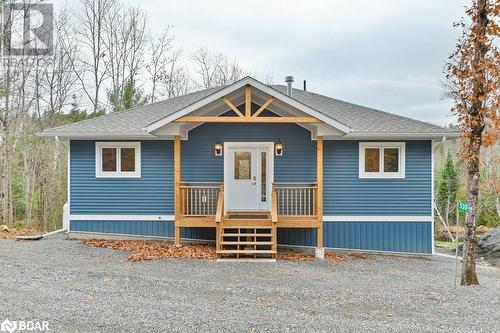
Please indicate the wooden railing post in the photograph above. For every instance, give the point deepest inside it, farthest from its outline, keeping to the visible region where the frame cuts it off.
(274, 205)
(218, 217)
(177, 190)
(319, 179)
(274, 219)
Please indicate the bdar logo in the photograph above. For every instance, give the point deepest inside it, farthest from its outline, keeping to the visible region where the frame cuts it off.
(8, 326)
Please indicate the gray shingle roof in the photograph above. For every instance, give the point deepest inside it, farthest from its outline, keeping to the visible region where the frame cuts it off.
(362, 120)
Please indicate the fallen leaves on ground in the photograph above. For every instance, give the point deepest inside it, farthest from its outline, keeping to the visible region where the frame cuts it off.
(144, 250)
(295, 256)
(12, 233)
(355, 255)
(154, 250)
(334, 257)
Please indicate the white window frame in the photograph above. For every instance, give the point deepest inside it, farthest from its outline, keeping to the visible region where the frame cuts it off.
(99, 173)
(401, 146)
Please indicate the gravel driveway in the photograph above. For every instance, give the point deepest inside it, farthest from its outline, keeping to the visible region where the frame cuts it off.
(84, 289)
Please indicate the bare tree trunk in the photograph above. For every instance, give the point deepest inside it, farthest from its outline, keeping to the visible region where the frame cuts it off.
(446, 226)
(4, 173)
(469, 275)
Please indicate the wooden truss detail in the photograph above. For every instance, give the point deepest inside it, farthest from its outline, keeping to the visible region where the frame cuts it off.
(247, 117)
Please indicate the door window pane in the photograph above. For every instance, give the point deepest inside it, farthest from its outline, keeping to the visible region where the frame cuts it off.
(263, 180)
(242, 165)
(108, 159)
(391, 159)
(128, 159)
(372, 160)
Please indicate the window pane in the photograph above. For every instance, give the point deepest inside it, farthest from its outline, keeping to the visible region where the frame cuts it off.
(108, 159)
(372, 160)
(391, 160)
(128, 159)
(263, 180)
(242, 164)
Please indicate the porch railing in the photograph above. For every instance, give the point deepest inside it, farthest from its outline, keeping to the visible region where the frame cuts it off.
(206, 199)
(296, 199)
(199, 199)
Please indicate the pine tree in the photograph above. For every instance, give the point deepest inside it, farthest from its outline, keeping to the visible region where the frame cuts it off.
(447, 189)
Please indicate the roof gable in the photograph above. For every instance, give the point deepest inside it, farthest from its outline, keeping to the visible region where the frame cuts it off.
(247, 81)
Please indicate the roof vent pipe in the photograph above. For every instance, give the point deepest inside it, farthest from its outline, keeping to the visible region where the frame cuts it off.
(305, 85)
(289, 81)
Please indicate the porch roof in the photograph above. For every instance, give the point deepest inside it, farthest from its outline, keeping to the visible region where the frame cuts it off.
(350, 121)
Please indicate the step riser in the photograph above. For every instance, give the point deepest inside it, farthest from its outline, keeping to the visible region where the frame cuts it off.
(247, 223)
(240, 239)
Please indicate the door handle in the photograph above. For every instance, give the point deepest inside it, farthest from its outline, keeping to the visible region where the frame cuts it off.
(254, 183)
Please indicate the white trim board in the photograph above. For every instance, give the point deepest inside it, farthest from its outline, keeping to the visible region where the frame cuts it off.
(68, 182)
(76, 217)
(371, 218)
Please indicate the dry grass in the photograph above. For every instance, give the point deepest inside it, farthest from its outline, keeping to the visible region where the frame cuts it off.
(143, 250)
(12, 233)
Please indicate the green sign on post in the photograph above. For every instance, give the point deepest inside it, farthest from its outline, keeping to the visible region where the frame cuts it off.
(463, 207)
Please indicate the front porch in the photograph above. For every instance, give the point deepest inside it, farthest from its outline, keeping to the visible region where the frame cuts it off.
(258, 188)
(244, 233)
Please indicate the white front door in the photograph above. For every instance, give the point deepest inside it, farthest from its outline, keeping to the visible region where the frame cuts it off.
(247, 176)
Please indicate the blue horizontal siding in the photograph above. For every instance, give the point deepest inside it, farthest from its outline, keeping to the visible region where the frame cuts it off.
(136, 228)
(198, 233)
(297, 236)
(346, 194)
(412, 237)
(141, 228)
(298, 163)
(153, 193)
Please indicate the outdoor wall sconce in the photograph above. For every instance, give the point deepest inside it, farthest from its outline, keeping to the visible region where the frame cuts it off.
(278, 148)
(218, 148)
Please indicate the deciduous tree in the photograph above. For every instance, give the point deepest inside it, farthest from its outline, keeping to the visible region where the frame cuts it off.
(473, 76)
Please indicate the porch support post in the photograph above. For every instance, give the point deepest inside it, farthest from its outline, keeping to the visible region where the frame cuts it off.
(320, 253)
(177, 185)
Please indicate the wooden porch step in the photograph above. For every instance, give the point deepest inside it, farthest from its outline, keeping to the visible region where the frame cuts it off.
(246, 252)
(245, 243)
(247, 223)
(245, 235)
(224, 226)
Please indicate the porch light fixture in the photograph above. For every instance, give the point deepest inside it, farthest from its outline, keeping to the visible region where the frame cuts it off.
(218, 148)
(278, 148)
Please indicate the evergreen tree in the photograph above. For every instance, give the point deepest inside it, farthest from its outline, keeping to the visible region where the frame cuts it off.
(447, 189)
(130, 97)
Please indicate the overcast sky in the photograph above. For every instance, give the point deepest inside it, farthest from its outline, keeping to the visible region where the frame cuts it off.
(383, 54)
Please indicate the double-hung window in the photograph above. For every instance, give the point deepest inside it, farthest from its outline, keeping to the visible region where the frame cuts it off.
(118, 159)
(382, 160)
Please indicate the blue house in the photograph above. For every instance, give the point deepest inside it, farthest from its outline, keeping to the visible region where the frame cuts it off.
(251, 166)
